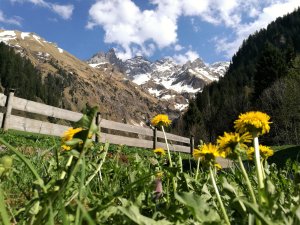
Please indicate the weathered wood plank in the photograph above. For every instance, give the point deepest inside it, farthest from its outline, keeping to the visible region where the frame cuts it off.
(125, 127)
(225, 163)
(1, 118)
(46, 110)
(120, 140)
(140, 130)
(134, 142)
(174, 148)
(36, 126)
(2, 99)
(173, 137)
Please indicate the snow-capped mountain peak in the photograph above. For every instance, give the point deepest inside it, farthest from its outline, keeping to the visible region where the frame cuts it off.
(219, 68)
(20, 40)
(164, 78)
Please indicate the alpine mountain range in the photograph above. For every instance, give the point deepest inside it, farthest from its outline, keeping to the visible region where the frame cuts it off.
(164, 79)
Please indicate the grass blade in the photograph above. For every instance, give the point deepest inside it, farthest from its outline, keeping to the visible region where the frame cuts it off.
(254, 209)
(4, 215)
(27, 163)
(85, 214)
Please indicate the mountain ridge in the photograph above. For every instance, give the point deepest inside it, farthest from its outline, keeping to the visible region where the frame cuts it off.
(79, 84)
(164, 78)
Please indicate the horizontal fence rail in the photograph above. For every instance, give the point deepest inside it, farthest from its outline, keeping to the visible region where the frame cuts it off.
(45, 110)
(36, 126)
(146, 137)
(125, 127)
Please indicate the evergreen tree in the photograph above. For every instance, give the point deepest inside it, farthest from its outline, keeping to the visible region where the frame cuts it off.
(19, 73)
(270, 67)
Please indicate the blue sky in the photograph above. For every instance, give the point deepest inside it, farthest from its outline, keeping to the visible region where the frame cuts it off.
(182, 29)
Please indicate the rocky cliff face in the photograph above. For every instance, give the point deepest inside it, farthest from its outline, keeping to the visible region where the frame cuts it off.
(164, 79)
(117, 97)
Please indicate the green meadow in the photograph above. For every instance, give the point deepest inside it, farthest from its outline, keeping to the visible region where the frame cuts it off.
(41, 183)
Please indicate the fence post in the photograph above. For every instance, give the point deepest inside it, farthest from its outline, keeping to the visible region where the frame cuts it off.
(98, 119)
(192, 144)
(8, 104)
(154, 138)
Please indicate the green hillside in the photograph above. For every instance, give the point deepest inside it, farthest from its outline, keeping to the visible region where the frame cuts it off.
(264, 75)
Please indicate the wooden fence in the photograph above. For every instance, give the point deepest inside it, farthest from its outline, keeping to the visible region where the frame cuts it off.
(145, 137)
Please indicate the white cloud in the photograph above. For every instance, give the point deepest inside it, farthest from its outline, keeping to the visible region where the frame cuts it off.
(178, 47)
(187, 56)
(243, 30)
(127, 53)
(213, 11)
(36, 2)
(14, 20)
(64, 11)
(196, 28)
(126, 25)
(132, 28)
(194, 7)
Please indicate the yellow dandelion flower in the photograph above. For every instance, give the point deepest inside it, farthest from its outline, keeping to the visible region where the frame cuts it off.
(250, 153)
(208, 152)
(218, 166)
(66, 147)
(68, 135)
(159, 151)
(209, 149)
(265, 152)
(161, 120)
(197, 154)
(254, 122)
(230, 144)
(159, 174)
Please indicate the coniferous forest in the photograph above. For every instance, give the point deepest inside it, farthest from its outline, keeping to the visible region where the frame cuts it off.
(20, 74)
(263, 75)
(17, 72)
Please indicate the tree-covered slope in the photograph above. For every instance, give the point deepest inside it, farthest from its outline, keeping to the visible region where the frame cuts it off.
(19, 73)
(264, 75)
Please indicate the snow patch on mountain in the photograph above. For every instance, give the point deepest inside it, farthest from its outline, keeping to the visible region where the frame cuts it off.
(181, 107)
(220, 68)
(181, 87)
(43, 55)
(24, 35)
(7, 35)
(167, 97)
(11, 38)
(37, 38)
(154, 92)
(95, 65)
(140, 79)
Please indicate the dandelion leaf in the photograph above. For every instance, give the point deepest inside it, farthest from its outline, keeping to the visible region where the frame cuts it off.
(133, 213)
(199, 207)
